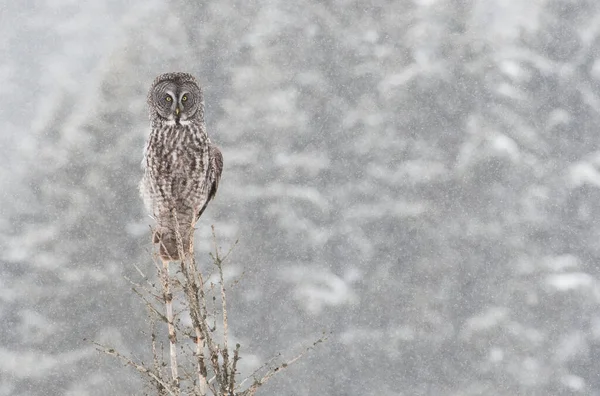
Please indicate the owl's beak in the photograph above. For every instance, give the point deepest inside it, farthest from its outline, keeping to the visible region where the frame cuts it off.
(177, 110)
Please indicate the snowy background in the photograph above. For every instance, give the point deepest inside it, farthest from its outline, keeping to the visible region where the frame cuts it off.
(421, 178)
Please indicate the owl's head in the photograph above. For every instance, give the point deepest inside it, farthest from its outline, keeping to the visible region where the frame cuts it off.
(176, 97)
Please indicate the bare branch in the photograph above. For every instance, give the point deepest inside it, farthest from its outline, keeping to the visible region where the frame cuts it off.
(138, 367)
(236, 358)
(206, 367)
(161, 390)
(168, 299)
(225, 351)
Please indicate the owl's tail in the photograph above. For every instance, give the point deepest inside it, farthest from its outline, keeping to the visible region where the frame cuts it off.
(168, 248)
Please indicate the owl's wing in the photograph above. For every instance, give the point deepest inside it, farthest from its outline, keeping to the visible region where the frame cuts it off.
(214, 174)
(216, 164)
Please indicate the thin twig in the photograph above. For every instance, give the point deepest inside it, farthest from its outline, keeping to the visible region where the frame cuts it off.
(237, 280)
(150, 306)
(144, 277)
(285, 365)
(261, 367)
(136, 286)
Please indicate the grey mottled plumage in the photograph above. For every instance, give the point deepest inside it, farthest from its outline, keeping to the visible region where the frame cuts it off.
(182, 168)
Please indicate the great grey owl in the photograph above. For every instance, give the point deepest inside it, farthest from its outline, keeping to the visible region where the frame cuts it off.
(182, 168)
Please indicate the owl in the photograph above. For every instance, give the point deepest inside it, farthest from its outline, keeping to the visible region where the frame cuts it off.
(182, 168)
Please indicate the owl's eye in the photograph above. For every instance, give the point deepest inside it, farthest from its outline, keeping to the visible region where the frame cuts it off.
(184, 98)
(168, 98)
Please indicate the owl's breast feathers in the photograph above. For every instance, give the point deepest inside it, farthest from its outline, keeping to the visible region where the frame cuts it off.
(182, 170)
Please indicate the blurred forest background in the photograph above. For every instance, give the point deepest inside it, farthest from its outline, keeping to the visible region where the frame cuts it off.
(420, 178)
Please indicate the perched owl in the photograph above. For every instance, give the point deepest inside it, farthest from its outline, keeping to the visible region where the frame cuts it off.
(182, 168)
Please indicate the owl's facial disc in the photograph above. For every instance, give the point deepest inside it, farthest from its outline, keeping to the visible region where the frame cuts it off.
(177, 102)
